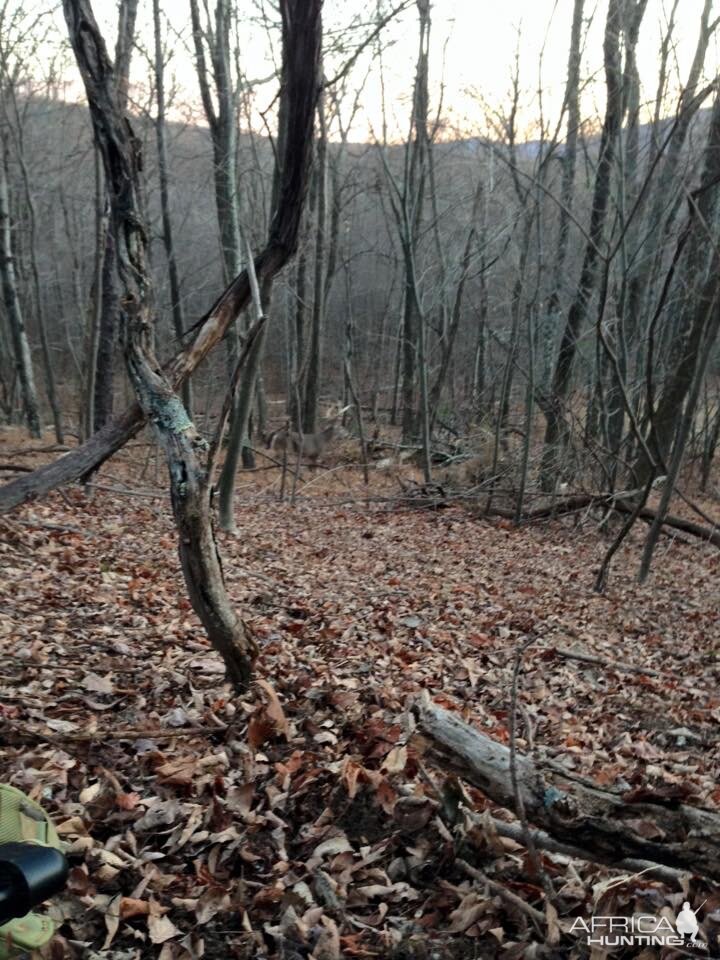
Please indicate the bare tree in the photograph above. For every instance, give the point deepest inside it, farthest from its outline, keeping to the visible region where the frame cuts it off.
(189, 476)
(299, 85)
(556, 429)
(310, 384)
(11, 298)
(15, 125)
(103, 378)
(167, 230)
(567, 188)
(220, 113)
(700, 318)
(407, 200)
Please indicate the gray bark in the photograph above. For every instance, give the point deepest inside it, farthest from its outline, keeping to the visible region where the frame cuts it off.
(699, 318)
(110, 317)
(167, 235)
(556, 429)
(18, 332)
(567, 187)
(313, 362)
(222, 123)
(38, 302)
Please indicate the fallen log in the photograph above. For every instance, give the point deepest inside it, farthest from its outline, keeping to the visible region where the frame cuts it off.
(572, 810)
(75, 464)
(544, 841)
(576, 502)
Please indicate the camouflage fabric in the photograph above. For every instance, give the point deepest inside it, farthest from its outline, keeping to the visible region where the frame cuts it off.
(21, 819)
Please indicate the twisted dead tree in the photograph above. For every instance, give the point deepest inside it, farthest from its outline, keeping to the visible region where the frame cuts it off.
(190, 472)
(298, 95)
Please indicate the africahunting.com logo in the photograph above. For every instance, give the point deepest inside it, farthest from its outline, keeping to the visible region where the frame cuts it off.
(644, 930)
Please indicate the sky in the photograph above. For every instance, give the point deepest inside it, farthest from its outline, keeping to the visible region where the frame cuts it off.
(473, 47)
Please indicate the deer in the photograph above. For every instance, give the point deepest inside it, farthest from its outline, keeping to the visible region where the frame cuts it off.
(311, 445)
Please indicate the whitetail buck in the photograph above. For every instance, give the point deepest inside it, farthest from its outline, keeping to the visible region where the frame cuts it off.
(310, 445)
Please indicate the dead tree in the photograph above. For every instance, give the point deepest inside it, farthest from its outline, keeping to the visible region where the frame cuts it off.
(155, 388)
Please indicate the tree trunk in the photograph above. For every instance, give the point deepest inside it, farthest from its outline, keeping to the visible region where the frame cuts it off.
(448, 340)
(21, 345)
(104, 399)
(110, 318)
(222, 123)
(700, 317)
(94, 311)
(567, 189)
(189, 479)
(173, 277)
(240, 416)
(35, 273)
(556, 429)
(708, 338)
(313, 364)
(409, 338)
(298, 326)
(409, 217)
(659, 220)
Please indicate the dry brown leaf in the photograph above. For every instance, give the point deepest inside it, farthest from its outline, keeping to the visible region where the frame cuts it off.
(130, 907)
(97, 684)
(396, 760)
(161, 929)
(274, 708)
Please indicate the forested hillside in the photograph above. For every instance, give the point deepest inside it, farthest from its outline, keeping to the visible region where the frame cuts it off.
(359, 490)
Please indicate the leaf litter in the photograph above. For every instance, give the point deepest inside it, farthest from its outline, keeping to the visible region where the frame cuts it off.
(297, 820)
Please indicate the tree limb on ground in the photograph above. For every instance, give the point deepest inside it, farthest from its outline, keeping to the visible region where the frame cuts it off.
(607, 662)
(582, 501)
(608, 826)
(544, 841)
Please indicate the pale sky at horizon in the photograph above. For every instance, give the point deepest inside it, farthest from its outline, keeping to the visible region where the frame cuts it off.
(473, 45)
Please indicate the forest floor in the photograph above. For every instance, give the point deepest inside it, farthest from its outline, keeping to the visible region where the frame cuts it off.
(202, 823)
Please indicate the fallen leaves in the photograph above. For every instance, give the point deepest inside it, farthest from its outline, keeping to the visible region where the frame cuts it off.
(296, 820)
(269, 720)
